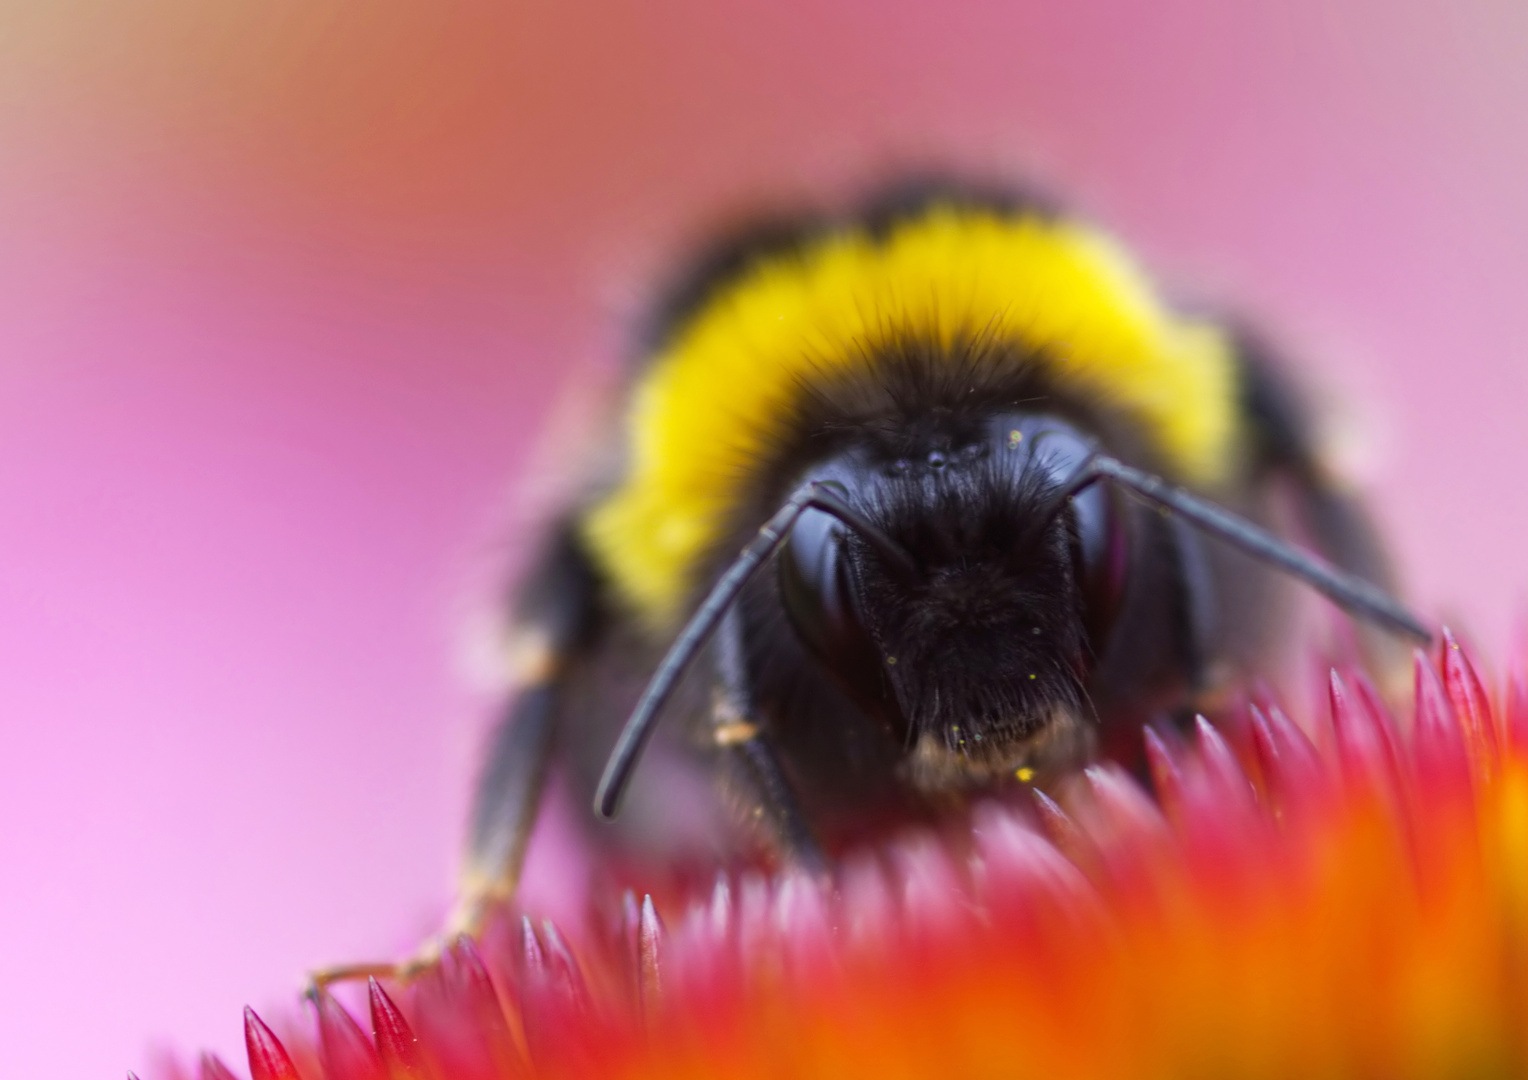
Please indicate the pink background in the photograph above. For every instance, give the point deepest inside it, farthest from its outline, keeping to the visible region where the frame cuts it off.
(286, 291)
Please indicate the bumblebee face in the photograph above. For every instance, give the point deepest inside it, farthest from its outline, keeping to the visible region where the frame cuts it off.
(982, 638)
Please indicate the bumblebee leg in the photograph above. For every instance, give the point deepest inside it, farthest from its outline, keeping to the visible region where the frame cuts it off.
(554, 614)
(752, 763)
(756, 771)
(505, 808)
(508, 797)
(554, 611)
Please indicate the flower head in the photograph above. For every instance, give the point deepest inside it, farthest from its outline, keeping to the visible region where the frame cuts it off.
(1348, 902)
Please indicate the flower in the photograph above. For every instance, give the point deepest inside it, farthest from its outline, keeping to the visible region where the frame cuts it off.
(1349, 903)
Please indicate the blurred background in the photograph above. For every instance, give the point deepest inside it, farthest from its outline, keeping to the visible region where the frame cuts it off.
(288, 290)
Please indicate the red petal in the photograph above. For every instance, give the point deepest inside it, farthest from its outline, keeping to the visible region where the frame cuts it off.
(631, 935)
(532, 956)
(1440, 753)
(347, 1052)
(719, 913)
(1131, 837)
(459, 1020)
(933, 894)
(268, 1059)
(1290, 762)
(476, 992)
(1470, 705)
(1227, 780)
(649, 954)
(1063, 831)
(1019, 867)
(553, 1000)
(561, 965)
(806, 923)
(869, 909)
(1125, 807)
(1166, 770)
(397, 1045)
(1366, 747)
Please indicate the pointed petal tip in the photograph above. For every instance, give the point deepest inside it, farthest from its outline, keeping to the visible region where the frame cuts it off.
(719, 911)
(397, 1046)
(1211, 742)
(1339, 696)
(1016, 858)
(562, 963)
(1057, 825)
(268, 1059)
(1121, 796)
(1166, 769)
(650, 922)
(650, 947)
(347, 1052)
(1434, 711)
(1289, 762)
(1046, 804)
(1472, 706)
(469, 963)
(1367, 744)
(532, 955)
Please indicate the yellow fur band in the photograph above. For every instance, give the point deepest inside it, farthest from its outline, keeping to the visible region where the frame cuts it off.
(1060, 292)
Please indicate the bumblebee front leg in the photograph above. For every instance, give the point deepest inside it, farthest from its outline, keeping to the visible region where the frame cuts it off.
(553, 615)
(506, 806)
(508, 797)
(750, 760)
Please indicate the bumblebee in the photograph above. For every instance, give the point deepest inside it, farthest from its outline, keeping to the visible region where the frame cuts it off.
(931, 499)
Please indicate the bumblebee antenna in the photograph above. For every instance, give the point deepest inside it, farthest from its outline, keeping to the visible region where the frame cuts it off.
(1353, 594)
(813, 495)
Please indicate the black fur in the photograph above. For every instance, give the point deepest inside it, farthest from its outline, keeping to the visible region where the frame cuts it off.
(856, 745)
(744, 245)
(988, 642)
(740, 248)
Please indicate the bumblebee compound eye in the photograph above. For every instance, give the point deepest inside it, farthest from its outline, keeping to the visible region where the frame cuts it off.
(1095, 517)
(1099, 557)
(820, 593)
(814, 582)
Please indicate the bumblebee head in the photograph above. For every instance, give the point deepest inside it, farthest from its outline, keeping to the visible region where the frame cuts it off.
(919, 571)
(964, 605)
